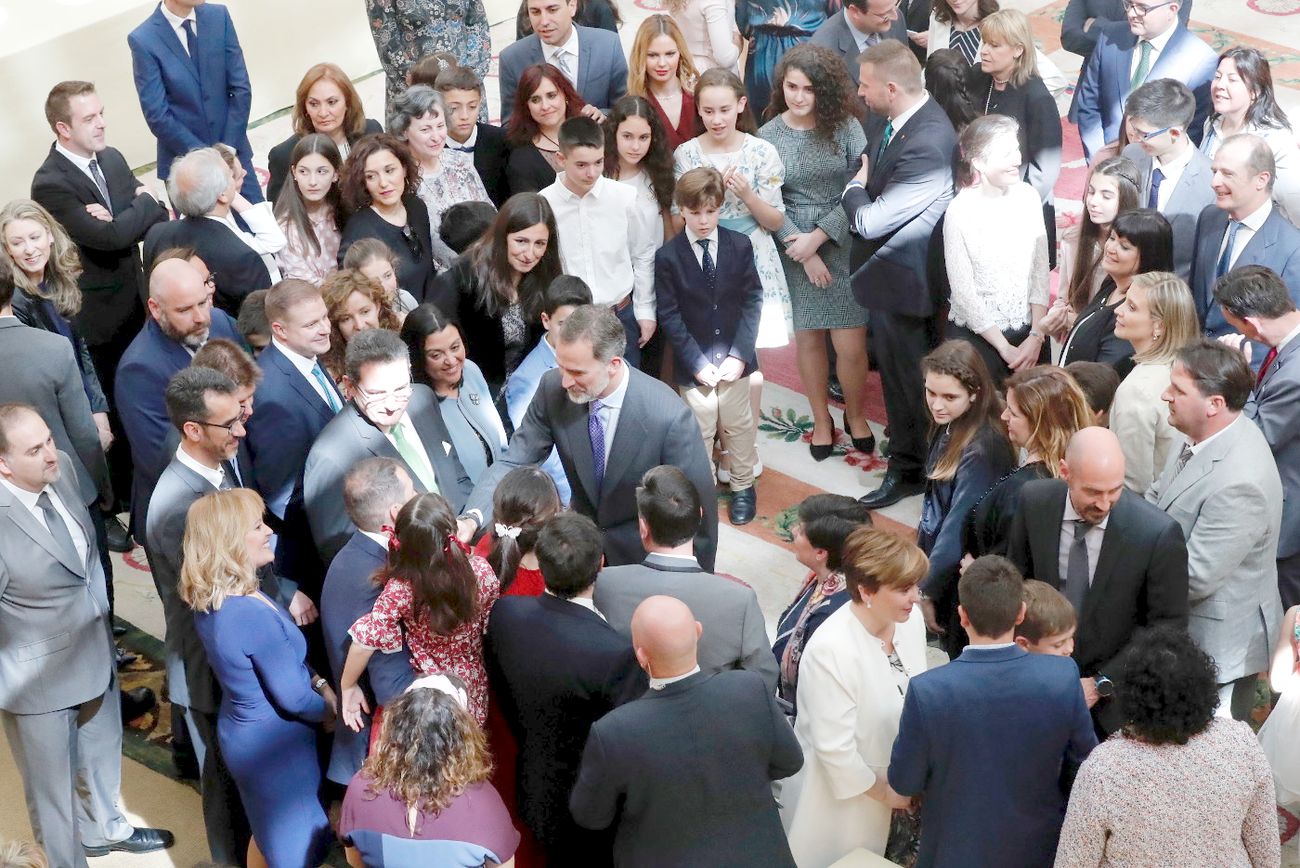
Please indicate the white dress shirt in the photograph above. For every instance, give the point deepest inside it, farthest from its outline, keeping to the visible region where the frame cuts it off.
(1091, 540)
(570, 49)
(1158, 44)
(28, 499)
(1290, 336)
(661, 683)
(305, 366)
(266, 238)
(695, 240)
(82, 163)
(214, 477)
(1197, 447)
(610, 409)
(1250, 224)
(585, 602)
(468, 145)
(379, 539)
(176, 22)
(1172, 171)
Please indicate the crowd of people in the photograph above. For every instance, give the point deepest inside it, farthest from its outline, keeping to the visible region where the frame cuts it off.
(465, 394)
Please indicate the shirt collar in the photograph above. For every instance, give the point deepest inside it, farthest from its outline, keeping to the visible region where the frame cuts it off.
(301, 362)
(1290, 336)
(25, 497)
(1158, 43)
(661, 683)
(906, 116)
(585, 602)
(379, 539)
(1178, 163)
(1072, 515)
(82, 163)
(858, 36)
(216, 477)
(468, 144)
(614, 400)
(594, 193)
(1197, 447)
(570, 45)
(175, 20)
(1254, 220)
(712, 237)
(994, 647)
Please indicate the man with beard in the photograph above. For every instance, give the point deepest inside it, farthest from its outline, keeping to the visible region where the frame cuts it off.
(610, 423)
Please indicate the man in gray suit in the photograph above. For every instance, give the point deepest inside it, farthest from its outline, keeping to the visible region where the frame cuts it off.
(669, 513)
(388, 417)
(1256, 303)
(610, 423)
(1175, 176)
(859, 24)
(59, 701)
(1224, 491)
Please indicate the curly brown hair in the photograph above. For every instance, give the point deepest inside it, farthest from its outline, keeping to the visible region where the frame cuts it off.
(336, 290)
(833, 90)
(353, 184)
(430, 750)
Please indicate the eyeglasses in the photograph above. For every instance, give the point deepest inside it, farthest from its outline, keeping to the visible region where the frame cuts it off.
(228, 426)
(211, 280)
(1146, 137)
(1139, 11)
(401, 393)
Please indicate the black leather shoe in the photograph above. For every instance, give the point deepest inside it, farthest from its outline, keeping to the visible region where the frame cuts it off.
(744, 505)
(125, 658)
(118, 631)
(141, 841)
(137, 703)
(119, 538)
(892, 489)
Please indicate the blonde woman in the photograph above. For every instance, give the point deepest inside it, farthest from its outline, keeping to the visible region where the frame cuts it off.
(1158, 317)
(661, 69)
(271, 702)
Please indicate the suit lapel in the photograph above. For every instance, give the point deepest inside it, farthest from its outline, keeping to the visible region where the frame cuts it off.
(23, 518)
(686, 252)
(628, 435)
(301, 386)
(78, 179)
(1285, 356)
(168, 37)
(1260, 242)
(1199, 466)
(1054, 515)
(433, 440)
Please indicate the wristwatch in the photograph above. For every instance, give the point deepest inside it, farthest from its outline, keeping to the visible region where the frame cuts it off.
(1105, 687)
(318, 684)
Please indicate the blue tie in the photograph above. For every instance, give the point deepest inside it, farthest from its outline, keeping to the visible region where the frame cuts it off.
(596, 431)
(191, 40)
(1157, 178)
(1225, 259)
(706, 264)
(327, 387)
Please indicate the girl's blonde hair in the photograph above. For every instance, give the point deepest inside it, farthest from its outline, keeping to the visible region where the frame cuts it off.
(22, 854)
(64, 267)
(215, 558)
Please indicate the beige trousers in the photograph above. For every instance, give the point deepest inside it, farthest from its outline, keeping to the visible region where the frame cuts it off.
(725, 411)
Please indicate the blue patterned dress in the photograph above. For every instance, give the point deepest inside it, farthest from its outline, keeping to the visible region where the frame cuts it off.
(773, 27)
(407, 30)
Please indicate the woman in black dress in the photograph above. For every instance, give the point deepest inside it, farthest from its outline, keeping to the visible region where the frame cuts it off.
(543, 101)
(380, 180)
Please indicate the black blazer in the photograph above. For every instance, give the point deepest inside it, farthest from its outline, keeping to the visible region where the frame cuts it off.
(907, 192)
(1140, 579)
(1033, 108)
(112, 282)
(682, 790)
(238, 268)
(455, 293)
(556, 668)
(490, 156)
(1093, 337)
(703, 326)
(278, 159)
(415, 270)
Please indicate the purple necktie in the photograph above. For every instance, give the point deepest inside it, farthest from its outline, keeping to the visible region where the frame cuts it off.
(596, 430)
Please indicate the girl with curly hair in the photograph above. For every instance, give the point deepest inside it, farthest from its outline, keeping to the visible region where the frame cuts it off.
(354, 303)
(660, 69)
(639, 152)
(819, 140)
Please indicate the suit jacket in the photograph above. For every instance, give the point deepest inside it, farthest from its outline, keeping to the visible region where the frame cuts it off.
(193, 104)
(834, 33)
(142, 376)
(238, 268)
(654, 427)
(112, 282)
(277, 160)
(348, 594)
(1104, 82)
(1275, 408)
(31, 310)
(907, 191)
(992, 742)
(602, 68)
(735, 633)
(1140, 579)
(1077, 40)
(56, 644)
(1276, 245)
(53, 386)
(703, 326)
(682, 790)
(490, 155)
(347, 439)
(1192, 195)
(1228, 501)
(556, 668)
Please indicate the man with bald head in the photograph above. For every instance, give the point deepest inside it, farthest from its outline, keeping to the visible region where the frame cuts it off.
(1121, 561)
(685, 773)
(181, 320)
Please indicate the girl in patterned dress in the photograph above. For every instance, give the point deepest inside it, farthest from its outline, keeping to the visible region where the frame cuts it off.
(308, 211)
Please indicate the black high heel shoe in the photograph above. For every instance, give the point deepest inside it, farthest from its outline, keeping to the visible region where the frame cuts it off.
(864, 444)
(821, 452)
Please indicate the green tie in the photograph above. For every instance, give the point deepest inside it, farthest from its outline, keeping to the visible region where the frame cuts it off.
(884, 140)
(1143, 67)
(414, 459)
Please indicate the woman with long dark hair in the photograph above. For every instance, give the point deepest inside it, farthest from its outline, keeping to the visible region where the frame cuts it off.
(308, 210)
(495, 286)
(544, 99)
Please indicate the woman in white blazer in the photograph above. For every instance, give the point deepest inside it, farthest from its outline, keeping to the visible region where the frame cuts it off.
(852, 680)
(1158, 317)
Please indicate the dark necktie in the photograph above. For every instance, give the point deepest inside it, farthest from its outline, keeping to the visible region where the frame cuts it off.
(1157, 178)
(1076, 568)
(1183, 457)
(191, 40)
(1269, 358)
(706, 263)
(98, 178)
(57, 527)
(596, 431)
(1225, 258)
(884, 142)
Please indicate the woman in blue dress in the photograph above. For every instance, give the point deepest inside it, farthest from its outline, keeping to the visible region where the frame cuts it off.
(271, 703)
(772, 27)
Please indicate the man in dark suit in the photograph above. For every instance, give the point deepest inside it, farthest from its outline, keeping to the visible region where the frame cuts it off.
(202, 188)
(1084, 19)
(181, 320)
(893, 204)
(991, 742)
(462, 95)
(610, 423)
(388, 417)
(590, 58)
(1152, 43)
(192, 83)
(1174, 176)
(59, 705)
(374, 491)
(556, 667)
(1244, 227)
(678, 788)
(1121, 561)
(669, 514)
(1255, 302)
(859, 25)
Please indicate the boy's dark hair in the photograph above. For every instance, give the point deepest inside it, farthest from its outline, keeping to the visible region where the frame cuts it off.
(252, 320)
(1098, 382)
(7, 286)
(569, 552)
(458, 78)
(565, 290)
(699, 187)
(1047, 612)
(669, 504)
(991, 592)
(464, 223)
(581, 132)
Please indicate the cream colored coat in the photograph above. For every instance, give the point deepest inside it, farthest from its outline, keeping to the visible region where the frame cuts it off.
(1140, 419)
(849, 705)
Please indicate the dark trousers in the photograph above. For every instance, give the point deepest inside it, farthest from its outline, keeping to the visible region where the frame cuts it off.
(628, 318)
(900, 343)
(105, 358)
(1288, 580)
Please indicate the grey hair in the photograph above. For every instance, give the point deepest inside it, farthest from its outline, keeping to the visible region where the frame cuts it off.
(597, 324)
(197, 181)
(415, 102)
(370, 347)
(1259, 157)
(370, 489)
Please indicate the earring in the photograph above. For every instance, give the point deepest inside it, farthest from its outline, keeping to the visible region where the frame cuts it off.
(868, 602)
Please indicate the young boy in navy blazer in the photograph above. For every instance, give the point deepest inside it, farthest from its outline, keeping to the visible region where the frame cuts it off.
(709, 298)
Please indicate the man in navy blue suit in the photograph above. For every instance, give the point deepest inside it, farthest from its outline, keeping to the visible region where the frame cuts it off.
(181, 320)
(193, 84)
(991, 742)
(1152, 43)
